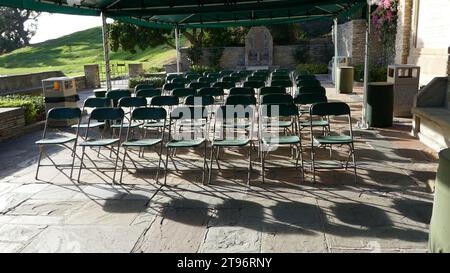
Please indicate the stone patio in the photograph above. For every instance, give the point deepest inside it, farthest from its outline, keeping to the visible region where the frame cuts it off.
(387, 210)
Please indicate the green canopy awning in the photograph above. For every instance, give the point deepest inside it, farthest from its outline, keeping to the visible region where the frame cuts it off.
(198, 13)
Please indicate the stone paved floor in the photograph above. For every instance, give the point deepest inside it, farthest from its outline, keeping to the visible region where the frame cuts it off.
(387, 210)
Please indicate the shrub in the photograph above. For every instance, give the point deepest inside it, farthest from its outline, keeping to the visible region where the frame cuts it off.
(34, 106)
(194, 54)
(216, 55)
(312, 69)
(203, 68)
(153, 69)
(301, 54)
(376, 73)
(157, 82)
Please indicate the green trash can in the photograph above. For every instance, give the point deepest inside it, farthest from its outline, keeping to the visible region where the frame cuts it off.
(345, 80)
(380, 104)
(439, 238)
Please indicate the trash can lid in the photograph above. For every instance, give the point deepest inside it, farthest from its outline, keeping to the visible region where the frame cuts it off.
(445, 154)
(380, 83)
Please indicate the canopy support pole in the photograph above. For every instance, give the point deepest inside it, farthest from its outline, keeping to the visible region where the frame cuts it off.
(363, 123)
(106, 52)
(336, 54)
(177, 45)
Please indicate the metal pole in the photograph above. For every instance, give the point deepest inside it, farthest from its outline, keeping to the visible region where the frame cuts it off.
(106, 52)
(177, 48)
(366, 69)
(336, 54)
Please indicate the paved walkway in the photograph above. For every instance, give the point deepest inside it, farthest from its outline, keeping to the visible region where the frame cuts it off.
(387, 210)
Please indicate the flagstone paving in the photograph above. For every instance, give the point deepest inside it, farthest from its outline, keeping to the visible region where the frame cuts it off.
(388, 209)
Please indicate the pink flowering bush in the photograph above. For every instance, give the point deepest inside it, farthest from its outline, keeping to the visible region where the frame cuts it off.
(384, 20)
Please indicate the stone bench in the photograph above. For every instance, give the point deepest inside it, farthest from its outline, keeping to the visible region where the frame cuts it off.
(431, 114)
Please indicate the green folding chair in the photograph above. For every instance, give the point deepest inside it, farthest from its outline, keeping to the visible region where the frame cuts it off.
(257, 78)
(237, 137)
(198, 85)
(193, 77)
(143, 86)
(242, 91)
(168, 87)
(170, 77)
(182, 93)
(269, 139)
(312, 89)
(224, 85)
(116, 95)
(128, 104)
(310, 82)
(327, 109)
(181, 80)
(232, 79)
(178, 117)
(54, 116)
(225, 73)
(215, 92)
(93, 102)
(272, 90)
(167, 102)
(148, 93)
(284, 123)
(305, 77)
(254, 84)
(278, 77)
(106, 114)
(142, 115)
(208, 79)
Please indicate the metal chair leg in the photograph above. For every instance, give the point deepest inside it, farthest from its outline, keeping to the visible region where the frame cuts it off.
(262, 166)
(159, 162)
(249, 164)
(73, 159)
(39, 161)
(81, 163)
(115, 166)
(205, 165)
(211, 163)
(123, 164)
(167, 166)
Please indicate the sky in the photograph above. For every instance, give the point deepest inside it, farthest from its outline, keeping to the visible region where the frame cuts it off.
(51, 26)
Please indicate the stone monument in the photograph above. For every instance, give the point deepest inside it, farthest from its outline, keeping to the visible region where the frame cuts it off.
(258, 48)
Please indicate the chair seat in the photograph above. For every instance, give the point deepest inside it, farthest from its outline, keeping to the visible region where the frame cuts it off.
(339, 139)
(237, 125)
(281, 140)
(280, 124)
(92, 125)
(230, 142)
(99, 142)
(185, 143)
(157, 124)
(195, 124)
(141, 142)
(127, 125)
(315, 123)
(55, 141)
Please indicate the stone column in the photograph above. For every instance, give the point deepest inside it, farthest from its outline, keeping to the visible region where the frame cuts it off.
(135, 70)
(92, 73)
(403, 36)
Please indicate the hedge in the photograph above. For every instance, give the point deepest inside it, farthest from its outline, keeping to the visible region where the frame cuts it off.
(157, 82)
(312, 69)
(34, 106)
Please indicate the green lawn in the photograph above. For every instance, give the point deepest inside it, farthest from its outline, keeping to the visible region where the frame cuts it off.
(71, 52)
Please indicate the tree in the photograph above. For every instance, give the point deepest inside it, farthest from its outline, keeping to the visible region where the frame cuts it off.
(14, 32)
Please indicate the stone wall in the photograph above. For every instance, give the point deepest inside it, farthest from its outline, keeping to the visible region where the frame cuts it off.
(352, 40)
(12, 121)
(27, 83)
(92, 74)
(283, 55)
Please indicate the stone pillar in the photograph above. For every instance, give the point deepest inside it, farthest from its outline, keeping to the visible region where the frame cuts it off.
(92, 73)
(403, 36)
(135, 70)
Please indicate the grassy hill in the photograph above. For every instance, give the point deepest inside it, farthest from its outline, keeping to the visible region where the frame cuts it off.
(71, 52)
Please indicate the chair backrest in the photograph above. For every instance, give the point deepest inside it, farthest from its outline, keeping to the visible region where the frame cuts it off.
(152, 113)
(64, 113)
(330, 109)
(224, 73)
(148, 93)
(189, 113)
(210, 91)
(277, 99)
(193, 77)
(278, 110)
(254, 84)
(103, 113)
(309, 98)
(305, 77)
(207, 79)
(183, 92)
(262, 73)
(181, 80)
(224, 85)
(240, 100)
(282, 83)
(164, 101)
(198, 85)
(132, 102)
(257, 78)
(143, 86)
(199, 100)
(312, 89)
(214, 75)
(280, 78)
(171, 86)
(225, 112)
(231, 79)
(170, 77)
(242, 91)
(272, 90)
(116, 95)
(97, 102)
(309, 82)
(282, 70)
